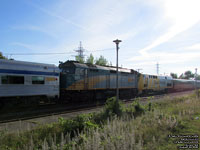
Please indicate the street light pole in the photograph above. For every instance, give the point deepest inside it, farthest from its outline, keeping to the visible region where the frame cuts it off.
(117, 82)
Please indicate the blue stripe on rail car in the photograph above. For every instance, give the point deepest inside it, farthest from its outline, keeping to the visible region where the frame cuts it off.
(28, 72)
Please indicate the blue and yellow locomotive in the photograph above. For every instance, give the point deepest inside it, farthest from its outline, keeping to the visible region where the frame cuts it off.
(89, 82)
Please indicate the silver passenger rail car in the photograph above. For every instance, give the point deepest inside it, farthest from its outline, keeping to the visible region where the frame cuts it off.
(22, 79)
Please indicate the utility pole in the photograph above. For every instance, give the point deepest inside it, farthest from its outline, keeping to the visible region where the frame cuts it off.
(157, 68)
(117, 48)
(80, 51)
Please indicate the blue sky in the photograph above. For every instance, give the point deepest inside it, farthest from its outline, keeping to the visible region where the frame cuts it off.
(167, 32)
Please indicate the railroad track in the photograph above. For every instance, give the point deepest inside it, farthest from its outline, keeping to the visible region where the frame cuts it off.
(49, 111)
(64, 109)
(12, 117)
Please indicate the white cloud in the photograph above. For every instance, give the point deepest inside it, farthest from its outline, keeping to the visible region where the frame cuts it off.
(28, 46)
(35, 28)
(60, 17)
(103, 15)
(165, 58)
(181, 14)
(106, 20)
(169, 62)
(193, 47)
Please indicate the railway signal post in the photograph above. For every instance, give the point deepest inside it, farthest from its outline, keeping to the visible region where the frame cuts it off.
(117, 48)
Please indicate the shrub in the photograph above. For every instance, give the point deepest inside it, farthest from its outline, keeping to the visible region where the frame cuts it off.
(136, 109)
(112, 108)
(77, 124)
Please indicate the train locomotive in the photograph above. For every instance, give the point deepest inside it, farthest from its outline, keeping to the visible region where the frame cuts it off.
(76, 82)
(94, 82)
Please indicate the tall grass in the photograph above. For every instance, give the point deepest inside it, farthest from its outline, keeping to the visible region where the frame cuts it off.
(117, 127)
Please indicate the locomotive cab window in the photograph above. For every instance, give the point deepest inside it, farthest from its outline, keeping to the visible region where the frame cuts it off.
(37, 80)
(12, 80)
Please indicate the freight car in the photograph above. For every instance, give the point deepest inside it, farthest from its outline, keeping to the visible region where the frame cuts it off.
(27, 79)
(93, 82)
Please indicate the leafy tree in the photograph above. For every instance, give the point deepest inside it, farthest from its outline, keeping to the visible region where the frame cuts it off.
(1, 56)
(90, 59)
(187, 75)
(173, 75)
(79, 59)
(101, 61)
(98, 61)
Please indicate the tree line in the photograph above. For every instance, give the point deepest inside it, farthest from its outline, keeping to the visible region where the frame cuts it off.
(187, 75)
(102, 61)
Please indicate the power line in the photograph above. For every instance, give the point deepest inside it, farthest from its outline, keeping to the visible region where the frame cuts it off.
(37, 53)
(55, 53)
(107, 49)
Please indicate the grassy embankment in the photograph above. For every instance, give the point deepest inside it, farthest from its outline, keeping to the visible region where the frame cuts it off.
(116, 127)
